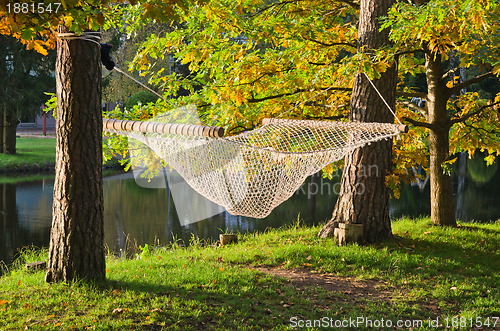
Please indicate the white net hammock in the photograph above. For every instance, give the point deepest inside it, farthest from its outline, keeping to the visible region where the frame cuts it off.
(252, 173)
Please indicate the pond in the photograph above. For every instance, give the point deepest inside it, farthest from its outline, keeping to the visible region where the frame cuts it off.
(136, 215)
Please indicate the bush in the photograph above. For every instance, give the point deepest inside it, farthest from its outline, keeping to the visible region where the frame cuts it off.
(143, 97)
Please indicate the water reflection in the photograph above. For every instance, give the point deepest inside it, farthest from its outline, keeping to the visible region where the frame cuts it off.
(149, 216)
(135, 215)
(25, 216)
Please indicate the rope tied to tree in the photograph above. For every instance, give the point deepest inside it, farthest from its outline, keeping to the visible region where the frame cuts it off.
(383, 99)
(92, 36)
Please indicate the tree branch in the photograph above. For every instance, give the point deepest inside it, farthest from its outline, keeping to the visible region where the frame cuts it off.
(469, 115)
(421, 95)
(329, 118)
(449, 73)
(417, 123)
(330, 44)
(456, 89)
(413, 51)
(413, 107)
(351, 4)
(277, 96)
(276, 4)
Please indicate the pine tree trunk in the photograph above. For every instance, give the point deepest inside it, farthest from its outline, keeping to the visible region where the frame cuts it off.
(364, 197)
(10, 123)
(442, 209)
(76, 243)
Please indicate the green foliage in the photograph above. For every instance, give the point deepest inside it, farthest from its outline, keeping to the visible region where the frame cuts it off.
(141, 98)
(116, 86)
(145, 251)
(24, 77)
(35, 26)
(246, 60)
(51, 103)
(251, 59)
(447, 31)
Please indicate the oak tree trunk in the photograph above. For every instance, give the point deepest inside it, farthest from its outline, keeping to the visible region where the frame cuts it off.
(364, 197)
(442, 209)
(76, 243)
(10, 123)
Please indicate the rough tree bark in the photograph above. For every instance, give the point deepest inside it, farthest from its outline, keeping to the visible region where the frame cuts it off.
(76, 244)
(364, 197)
(10, 123)
(442, 209)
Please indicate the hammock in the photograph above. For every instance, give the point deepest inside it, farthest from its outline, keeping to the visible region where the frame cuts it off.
(252, 173)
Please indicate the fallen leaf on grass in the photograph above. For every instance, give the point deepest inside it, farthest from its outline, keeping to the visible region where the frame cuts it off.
(3, 302)
(156, 310)
(120, 310)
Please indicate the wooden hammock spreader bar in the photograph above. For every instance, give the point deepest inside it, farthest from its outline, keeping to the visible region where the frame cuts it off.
(401, 127)
(163, 128)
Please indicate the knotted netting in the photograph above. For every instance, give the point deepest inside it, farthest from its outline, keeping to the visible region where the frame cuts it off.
(251, 173)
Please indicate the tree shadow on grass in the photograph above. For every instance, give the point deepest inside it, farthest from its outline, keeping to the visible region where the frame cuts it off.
(226, 307)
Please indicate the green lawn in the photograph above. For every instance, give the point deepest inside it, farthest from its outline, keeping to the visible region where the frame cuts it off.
(36, 154)
(31, 153)
(429, 274)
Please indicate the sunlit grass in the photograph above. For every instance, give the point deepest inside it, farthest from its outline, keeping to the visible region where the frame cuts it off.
(426, 272)
(30, 152)
(33, 154)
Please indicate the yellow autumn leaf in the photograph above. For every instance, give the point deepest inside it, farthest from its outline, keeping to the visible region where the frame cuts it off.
(68, 21)
(39, 48)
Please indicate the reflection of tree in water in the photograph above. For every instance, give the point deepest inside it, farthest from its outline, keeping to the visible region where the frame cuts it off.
(413, 202)
(478, 171)
(482, 201)
(148, 215)
(16, 229)
(136, 212)
(8, 218)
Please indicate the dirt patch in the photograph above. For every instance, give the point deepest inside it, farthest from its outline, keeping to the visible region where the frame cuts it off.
(353, 291)
(356, 289)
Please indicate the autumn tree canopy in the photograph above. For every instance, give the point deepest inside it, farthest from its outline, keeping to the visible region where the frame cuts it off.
(298, 59)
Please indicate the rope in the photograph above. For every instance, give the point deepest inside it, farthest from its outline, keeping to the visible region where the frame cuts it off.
(143, 85)
(94, 37)
(383, 99)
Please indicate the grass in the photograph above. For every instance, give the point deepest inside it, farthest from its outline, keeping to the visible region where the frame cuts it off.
(31, 153)
(34, 154)
(425, 273)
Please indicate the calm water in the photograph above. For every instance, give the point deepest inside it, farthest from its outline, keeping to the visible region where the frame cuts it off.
(135, 215)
